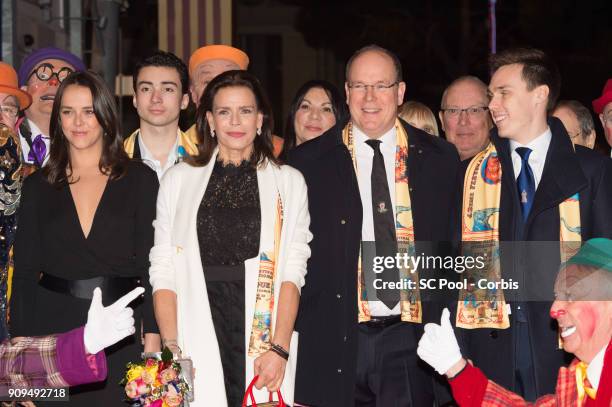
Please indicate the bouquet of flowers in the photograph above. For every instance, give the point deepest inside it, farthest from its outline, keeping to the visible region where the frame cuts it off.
(155, 382)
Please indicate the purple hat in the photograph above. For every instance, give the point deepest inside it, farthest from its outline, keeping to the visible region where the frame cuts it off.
(30, 62)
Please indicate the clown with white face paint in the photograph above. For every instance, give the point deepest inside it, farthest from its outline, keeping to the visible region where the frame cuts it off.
(583, 311)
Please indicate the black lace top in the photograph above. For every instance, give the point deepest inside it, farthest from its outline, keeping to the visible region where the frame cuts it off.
(229, 217)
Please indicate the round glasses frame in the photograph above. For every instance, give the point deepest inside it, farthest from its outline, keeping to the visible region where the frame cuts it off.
(45, 72)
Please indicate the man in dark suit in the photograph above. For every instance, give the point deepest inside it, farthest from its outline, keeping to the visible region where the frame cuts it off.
(540, 171)
(342, 362)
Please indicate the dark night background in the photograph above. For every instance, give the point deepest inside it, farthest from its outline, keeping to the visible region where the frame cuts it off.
(436, 41)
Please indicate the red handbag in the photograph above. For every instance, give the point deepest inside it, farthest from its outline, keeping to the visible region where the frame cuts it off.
(249, 394)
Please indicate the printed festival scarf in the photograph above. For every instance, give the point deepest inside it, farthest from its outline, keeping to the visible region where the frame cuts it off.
(185, 146)
(482, 308)
(410, 303)
(262, 330)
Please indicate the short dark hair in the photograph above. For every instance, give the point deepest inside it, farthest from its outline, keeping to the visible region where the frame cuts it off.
(376, 48)
(538, 69)
(582, 114)
(114, 160)
(338, 106)
(165, 60)
(263, 149)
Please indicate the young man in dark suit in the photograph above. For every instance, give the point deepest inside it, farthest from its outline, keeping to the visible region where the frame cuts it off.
(549, 190)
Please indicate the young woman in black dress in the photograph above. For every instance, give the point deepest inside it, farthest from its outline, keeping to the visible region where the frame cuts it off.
(85, 221)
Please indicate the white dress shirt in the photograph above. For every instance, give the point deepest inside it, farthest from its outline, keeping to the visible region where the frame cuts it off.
(364, 155)
(25, 147)
(537, 158)
(148, 158)
(595, 368)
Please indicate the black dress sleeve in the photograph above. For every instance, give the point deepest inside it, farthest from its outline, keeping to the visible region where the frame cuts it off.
(28, 258)
(145, 214)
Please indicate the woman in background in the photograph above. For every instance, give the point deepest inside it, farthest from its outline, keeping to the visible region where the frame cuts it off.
(419, 116)
(316, 107)
(85, 221)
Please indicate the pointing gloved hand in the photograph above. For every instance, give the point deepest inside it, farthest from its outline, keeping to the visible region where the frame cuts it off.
(438, 346)
(108, 325)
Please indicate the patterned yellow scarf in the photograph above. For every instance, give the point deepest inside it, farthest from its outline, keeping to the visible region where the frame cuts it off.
(482, 308)
(410, 303)
(187, 144)
(262, 330)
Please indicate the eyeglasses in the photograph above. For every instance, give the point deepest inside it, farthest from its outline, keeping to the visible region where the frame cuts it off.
(470, 111)
(377, 88)
(9, 110)
(45, 72)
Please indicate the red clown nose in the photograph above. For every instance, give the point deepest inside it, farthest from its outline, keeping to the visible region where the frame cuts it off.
(557, 314)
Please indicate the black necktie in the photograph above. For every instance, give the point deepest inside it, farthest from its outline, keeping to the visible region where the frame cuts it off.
(384, 225)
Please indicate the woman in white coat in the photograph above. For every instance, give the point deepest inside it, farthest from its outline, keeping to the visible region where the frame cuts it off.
(231, 246)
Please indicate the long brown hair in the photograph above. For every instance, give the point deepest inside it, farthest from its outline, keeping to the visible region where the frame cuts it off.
(262, 145)
(114, 160)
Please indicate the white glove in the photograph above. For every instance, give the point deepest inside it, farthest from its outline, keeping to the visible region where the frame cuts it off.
(438, 346)
(108, 325)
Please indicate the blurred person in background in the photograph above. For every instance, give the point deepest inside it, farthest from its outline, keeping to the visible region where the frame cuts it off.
(603, 107)
(419, 116)
(205, 64)
(465, 116)
(316, 107)
(12, 101)
(578, 122)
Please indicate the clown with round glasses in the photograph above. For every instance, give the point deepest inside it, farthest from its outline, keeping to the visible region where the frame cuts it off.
(40, 75)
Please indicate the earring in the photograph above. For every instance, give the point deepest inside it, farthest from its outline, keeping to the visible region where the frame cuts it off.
(212, 133)
(259, 131)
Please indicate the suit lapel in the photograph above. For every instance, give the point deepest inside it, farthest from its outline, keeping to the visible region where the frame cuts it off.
(415, 162)
(333, 148)
(562, 176)
(510, 222)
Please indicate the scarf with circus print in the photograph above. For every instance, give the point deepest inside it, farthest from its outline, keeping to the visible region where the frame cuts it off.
(486, 308)
(410, 302)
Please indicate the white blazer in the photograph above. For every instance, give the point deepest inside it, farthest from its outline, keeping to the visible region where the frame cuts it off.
(176, 265)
